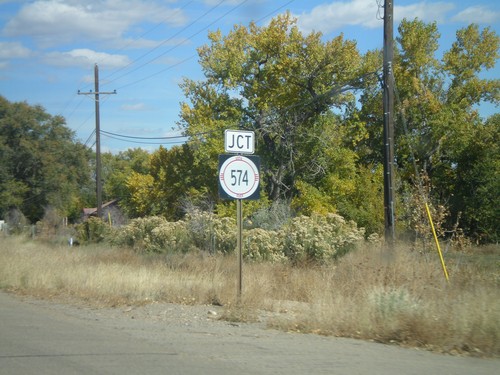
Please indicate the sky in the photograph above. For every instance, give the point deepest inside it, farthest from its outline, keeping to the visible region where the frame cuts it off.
(144, 48)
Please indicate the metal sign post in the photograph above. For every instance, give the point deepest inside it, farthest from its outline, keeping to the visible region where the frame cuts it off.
(239, 245)
(239, 178)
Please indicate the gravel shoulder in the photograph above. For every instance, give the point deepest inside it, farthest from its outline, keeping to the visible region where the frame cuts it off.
(190, 339)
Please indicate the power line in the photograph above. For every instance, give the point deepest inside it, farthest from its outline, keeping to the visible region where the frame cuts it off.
(177, 11)
(169, 140)
(155, 27)
(145, 143)
(180, 43)
(274, 11)
(155, 74)
(89, 137)
(139, 37)
(161, 44)
(134, 137)
(75, 108)
(67, 105)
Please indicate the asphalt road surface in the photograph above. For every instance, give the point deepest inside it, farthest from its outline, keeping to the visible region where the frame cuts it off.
(42, 337)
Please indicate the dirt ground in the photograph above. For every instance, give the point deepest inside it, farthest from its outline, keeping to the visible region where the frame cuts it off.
(75, 338)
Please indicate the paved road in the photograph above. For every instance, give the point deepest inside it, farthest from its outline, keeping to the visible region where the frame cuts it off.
(38, 337)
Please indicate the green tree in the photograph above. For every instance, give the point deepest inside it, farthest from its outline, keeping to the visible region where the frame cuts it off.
(141, 201)
(117, 169)
(438, 99)
(437, 120)
(178, 176)
(277, 82)
(170, 177)
(475, 189)
(345, 186)
(40, 163)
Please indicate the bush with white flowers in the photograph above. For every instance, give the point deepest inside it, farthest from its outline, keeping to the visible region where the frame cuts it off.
(316, 238)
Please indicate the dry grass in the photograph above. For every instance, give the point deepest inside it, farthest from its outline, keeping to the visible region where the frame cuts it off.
(399, 297)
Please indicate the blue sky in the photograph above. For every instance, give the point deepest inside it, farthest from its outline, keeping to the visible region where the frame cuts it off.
(144, 48)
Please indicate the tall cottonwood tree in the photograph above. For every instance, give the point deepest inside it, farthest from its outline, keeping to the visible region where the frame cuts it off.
(277, 82)
(437, 119)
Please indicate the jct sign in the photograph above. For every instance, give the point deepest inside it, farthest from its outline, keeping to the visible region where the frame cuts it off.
(239, 141)
(239, 177)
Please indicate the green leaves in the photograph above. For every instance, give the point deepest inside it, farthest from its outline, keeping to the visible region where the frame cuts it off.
(439, 124)
(473, 51)
(277, 82)
(40, 164)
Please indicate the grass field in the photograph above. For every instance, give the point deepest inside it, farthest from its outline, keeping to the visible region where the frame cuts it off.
(398, 296)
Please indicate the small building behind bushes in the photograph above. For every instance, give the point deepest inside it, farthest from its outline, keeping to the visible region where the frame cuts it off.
(111, 212)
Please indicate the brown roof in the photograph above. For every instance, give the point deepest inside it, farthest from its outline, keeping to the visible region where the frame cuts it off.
(93, 211)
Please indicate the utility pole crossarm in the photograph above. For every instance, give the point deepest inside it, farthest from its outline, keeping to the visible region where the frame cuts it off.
(97, 93)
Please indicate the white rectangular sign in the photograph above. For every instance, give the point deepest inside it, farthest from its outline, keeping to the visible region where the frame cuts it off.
(239, 141)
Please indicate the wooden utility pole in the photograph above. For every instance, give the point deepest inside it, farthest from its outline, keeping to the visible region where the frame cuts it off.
(96, 94)
(388, 106)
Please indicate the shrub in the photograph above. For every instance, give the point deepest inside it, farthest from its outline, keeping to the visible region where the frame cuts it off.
(51, 223)
(263, 245)
(134, 234)
(154, 234)
(390, 303)
(272, 217)
(303, 239)
(212, 233)
(169, 237)
(319, 237)
(93, 230)
(16, 221)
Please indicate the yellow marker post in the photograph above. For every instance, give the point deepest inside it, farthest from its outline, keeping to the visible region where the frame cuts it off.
(437, 242)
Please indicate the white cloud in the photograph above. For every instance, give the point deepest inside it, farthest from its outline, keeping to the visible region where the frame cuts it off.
(52, 22)
(337, 14)
(425, 11)
(477, 14)
(88, 78)
(13, 50)
(84, 58)
(134, 107)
